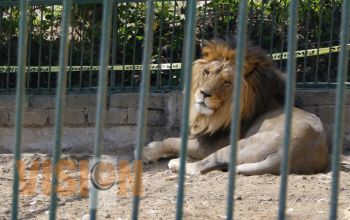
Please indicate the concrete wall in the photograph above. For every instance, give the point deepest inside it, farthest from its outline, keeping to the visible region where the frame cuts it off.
(121, 120)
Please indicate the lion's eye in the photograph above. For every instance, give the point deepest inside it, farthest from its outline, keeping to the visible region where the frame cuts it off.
(220, 69)
(227, 83)
(206, 72)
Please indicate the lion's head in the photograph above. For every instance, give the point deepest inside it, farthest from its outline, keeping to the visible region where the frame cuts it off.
(212, 86)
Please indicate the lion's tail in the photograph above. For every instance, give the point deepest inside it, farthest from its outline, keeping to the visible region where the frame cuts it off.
(271, 165)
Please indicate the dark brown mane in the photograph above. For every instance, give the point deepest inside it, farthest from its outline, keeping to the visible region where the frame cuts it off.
(263, 83)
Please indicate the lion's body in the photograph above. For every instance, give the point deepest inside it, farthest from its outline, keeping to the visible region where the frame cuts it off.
(262, 119)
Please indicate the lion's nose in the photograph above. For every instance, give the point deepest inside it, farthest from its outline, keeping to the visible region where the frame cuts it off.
(205, 94)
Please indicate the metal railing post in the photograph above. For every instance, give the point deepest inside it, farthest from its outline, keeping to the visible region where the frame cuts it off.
(187, 59)
(288, 105)
(236, 102)
(143, 104)
(102, 95)
(21, 78)
(338, 136)
(60, 102)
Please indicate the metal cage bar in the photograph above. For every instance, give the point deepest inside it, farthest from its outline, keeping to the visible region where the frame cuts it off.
(187, 58)
(60, 102)
(101, 96)
(143, 104)
(236, 103)
(21, 78)
(339, 112)
(288, 106)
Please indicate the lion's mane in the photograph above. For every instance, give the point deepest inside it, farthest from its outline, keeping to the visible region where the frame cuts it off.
(262, 88)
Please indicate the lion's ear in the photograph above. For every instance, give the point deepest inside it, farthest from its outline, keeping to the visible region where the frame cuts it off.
(218, 50)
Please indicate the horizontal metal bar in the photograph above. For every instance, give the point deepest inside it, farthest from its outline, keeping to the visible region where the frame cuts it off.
(59, 2)
(166, 66)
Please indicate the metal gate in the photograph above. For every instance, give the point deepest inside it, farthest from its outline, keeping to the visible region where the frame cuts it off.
(186, 64)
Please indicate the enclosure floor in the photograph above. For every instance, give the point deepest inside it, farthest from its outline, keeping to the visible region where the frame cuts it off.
(256, 197)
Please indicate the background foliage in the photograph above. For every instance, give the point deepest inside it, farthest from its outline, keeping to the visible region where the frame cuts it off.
(319, 22)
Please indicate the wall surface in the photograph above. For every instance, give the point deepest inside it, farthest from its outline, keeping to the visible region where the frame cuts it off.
(164, 116)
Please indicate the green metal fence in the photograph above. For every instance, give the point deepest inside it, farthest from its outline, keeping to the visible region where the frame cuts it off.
(187, 58)
(317, 31)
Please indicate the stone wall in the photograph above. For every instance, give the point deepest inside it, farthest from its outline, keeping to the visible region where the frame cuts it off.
(164, 115)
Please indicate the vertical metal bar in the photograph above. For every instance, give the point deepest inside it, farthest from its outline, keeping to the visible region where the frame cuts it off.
(262, 10)
(82, 47)
(102, 93)
(330, 44)
(236, 116)
(124, 56)
(250, 18)
(9, 52)
(205, 14)
(273, 20)
(114, 45)
(187, 59)
(216, 18)
(159, 76)
(50, 47)
(285, 5)
(1, 18)
(71, 52)
(30, 28)
(40, 46)
(339, 114)
(172, 46)
(306, 37)
(60, 102)
(134, 49)
(92, 46)
(21, 78)
(143, 104)
(320, 18)
(289, 103)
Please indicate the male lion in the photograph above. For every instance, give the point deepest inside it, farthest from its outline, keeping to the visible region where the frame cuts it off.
(262, 119)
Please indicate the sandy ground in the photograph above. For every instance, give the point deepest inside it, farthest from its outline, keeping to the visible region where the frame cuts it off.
(256, 197)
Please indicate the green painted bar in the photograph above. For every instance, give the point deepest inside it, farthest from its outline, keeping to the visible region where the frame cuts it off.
(306, 37)
(102, 95)
(288, 106)
(187, 59)
(338, 137)
(60, 102)
(143, 104)
(320, 29)
(330, 43)
(59, 2)
(134, 53)
(21, 78)
(236, 102)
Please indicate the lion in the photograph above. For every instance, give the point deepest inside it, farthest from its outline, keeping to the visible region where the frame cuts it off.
(261, 135)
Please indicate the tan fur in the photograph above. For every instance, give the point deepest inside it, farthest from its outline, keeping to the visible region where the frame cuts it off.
(262, 118)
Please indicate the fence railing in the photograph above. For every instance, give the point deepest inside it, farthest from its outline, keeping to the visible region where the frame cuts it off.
(317, 34)
(187, 58)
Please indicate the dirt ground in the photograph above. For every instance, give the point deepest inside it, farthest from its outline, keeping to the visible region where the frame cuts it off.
(256, 197)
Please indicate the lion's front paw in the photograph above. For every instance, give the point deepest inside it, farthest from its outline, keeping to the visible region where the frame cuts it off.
(152, 152)
(191, 168)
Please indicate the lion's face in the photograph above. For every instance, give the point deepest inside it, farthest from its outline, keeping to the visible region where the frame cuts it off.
(213, 85)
